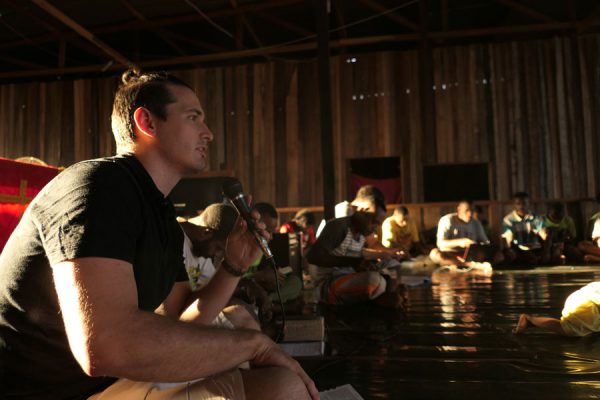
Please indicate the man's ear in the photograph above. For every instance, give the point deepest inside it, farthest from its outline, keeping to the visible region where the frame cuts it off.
(144, 121)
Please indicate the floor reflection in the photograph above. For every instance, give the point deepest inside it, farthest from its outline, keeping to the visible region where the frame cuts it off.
(455, 341)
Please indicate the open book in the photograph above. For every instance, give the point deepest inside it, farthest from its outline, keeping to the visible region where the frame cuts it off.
(344, 392)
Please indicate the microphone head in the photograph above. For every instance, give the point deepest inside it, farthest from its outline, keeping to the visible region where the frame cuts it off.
(232, 188)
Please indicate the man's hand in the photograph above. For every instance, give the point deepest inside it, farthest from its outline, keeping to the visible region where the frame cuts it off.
(269, 354)
(466, 242)
(241, 248)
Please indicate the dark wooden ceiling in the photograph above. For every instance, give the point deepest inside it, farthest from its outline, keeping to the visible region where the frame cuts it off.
(50, 39)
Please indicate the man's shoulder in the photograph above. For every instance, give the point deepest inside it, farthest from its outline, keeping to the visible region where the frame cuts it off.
(448, 218)
(339, 222)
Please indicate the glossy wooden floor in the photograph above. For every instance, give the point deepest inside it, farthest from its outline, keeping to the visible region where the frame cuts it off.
(455, 342)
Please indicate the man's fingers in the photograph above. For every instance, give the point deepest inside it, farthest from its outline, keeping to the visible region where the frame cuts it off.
(310, 385)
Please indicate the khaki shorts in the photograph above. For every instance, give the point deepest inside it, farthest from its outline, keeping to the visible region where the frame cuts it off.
(227, 385)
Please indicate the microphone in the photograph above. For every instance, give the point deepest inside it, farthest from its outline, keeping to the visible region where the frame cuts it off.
(232, 189)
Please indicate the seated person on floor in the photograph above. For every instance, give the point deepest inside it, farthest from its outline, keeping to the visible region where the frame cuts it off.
(521, 233)
(478, 215)
(344, 270)
(203, 250)
(559, 236)
(400, 232)
(580, 316)
(261, 277)
(304, 224)
(591, 247)
(346, 208)
(456, 233)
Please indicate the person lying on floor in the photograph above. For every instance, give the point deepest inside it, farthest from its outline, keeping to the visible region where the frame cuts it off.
(344, 270)
(591, 246)
(456, 233)
(580, 315)
(203, 251)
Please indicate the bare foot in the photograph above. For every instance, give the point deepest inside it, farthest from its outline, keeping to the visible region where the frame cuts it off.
(522, 324)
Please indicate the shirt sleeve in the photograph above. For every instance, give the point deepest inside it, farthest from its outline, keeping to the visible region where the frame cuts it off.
(596, 230)
(506, 226)
(89, 213)
(443, 228)
(387, 234)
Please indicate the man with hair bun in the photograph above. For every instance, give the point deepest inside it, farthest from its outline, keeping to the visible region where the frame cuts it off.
(92, 281)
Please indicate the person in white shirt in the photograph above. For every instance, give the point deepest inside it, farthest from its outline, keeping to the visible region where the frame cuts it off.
(456, 233)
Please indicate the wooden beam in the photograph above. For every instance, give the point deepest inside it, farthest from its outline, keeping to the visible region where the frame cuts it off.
(20, 63)
(589, 21)
(339, 13)
(160, 22)
(426, 80)
(195, 42)
(526, 11)
(444, 5)
(325, 115)
(160, 32)
(62, 53)
(194, 17)
(283, 24)
(298, 48)
(55, 33)
(56, 13)
(249, 27)
(375, 5)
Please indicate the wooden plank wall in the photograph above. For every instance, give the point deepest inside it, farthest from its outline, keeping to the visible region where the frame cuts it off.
(528, 108)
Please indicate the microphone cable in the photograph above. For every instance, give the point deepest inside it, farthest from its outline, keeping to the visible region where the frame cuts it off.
(281, 333)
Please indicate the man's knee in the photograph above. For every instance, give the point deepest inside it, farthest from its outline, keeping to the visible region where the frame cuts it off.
(376, 284)
(240, 317)
(274, 383)
(435, 255)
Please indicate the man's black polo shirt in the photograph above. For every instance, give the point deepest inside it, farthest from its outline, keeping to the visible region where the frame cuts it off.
(98, 208)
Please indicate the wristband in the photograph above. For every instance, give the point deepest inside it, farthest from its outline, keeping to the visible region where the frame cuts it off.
(231, 270)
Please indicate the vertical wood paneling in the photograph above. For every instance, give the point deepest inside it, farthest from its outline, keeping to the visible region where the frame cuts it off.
(529, 109)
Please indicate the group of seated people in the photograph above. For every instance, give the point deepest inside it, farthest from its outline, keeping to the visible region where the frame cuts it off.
(346, 264)
(462, 239)
(357, 256)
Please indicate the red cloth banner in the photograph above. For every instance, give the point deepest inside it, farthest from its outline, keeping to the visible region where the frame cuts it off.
(391, 188)
(19, 184)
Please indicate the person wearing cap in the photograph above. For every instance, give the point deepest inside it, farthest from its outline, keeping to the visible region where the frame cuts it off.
(203, 250)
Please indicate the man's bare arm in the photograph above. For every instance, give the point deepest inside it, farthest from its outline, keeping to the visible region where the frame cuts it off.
(109, 335)
(209, 301)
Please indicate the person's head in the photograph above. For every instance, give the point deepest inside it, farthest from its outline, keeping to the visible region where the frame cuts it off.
(208, 232)
(268, 215)
(521, 203)
(160, 112)
(369, 197)
(464, 210)
(368, 215)
(477, 212)
(304, 218)
(556, 212)
(401, 214)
